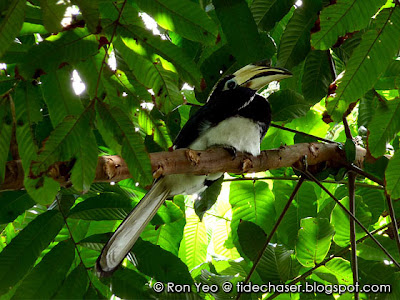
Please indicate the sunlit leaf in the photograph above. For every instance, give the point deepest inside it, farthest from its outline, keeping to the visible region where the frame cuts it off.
(252, 202)
(383, 126)
(118, 122)
(193, 249)
(342, 17)
(267, 13)
(361, 71)
(314, 241)
(53, 13)
(341, 221)
(295, 42)
(184, 17)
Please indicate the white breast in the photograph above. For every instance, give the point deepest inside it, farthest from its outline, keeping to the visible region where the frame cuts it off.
(238, 132)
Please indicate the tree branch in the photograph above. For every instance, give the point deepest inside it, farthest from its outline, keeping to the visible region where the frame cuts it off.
(186, 161)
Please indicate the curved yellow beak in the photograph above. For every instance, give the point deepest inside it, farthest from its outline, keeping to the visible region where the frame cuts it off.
(256, 77)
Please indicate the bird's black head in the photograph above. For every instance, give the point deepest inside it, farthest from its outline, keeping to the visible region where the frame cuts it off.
(248, 80)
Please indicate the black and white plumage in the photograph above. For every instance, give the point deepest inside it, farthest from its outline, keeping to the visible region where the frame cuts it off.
(234, 117)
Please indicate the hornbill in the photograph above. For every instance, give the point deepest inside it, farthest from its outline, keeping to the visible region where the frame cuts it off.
(234, 117)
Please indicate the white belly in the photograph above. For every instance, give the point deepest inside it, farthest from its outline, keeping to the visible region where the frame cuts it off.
(238, 132)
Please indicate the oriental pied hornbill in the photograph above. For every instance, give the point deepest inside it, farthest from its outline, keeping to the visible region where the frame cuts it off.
(234, 117)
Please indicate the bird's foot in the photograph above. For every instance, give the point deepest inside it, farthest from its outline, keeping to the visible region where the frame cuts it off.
(231, 150)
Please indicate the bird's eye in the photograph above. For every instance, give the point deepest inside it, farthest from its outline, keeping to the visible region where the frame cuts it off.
(230, 84)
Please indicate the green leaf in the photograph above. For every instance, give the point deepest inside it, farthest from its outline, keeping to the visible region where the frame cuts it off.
(368, 250)
(350, 149)
(11, 24)
(84, 169)
(391, 78)
(392, 176)
(251, 239)
(287, 105)
(168, 236)
(129, 284)
(63, 143)
(90, 12)
(295, 42)
(154, 76)
(341, 221)
(75, 285)
(304, 206)
(53, 13)
(95, 241)
(184, 17)
(340, 268)
(160, 264)
(366, 109)
(133, 150)
(44, 280)
(12, 204)
(242, 35)
(27, 110)
(361, 71)
(144, 43)
(342, 17)
(6, 83)
(193, 249)
(383, 127)
(59, 96)
(19, 256)
(70, 47)
(267, 13)
(208, 198)
(5, 135)
(252, 202)
(43, 189)
(314, 241)
(154, 126)
(375, 199)
(106, 206)
(275, 264)
(317, 76)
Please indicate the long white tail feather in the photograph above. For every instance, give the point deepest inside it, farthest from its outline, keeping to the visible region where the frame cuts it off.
(130, 229)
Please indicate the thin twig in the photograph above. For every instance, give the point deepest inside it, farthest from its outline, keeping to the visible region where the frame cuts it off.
(352, 204)
(332, 66)
(361, 172)
(308, 174)
(338, 254)
(269, 237)
(361, 184)
(393, 219)
(72, 237)
(116, 22)
(347, 129)
(302, 133)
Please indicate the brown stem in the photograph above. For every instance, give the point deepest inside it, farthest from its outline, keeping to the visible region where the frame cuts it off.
(352, 204)
(185, 161)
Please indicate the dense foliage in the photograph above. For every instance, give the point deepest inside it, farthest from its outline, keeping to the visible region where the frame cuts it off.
(344, 55)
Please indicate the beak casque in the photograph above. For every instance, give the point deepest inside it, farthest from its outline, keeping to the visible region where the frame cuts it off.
(256, 77)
